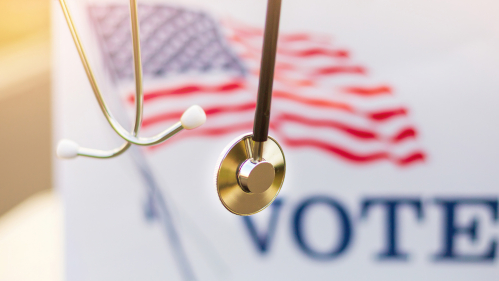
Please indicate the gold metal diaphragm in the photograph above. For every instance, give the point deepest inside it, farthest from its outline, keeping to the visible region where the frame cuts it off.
(233, 197)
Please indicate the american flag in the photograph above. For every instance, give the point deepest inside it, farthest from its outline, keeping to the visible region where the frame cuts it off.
(323, 99)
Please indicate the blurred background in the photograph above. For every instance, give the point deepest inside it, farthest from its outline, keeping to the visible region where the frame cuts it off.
(29, 236)
(24, 100)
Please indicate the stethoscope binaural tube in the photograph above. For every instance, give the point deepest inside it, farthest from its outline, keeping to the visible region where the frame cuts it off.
(251, 169)
(192, 118)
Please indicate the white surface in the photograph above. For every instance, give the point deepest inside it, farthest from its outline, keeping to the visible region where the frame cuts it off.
(31, 240)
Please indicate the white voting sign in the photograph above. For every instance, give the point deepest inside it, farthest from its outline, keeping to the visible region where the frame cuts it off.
(386, 112)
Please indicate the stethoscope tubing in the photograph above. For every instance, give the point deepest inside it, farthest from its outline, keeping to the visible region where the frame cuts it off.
(264, 100)
(130, 138)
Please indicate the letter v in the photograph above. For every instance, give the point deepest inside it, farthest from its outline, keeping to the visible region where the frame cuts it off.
(262, 240)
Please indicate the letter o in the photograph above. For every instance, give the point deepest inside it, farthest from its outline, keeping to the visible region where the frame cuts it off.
(299, 231)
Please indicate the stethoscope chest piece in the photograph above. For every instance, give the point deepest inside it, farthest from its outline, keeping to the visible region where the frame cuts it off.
(245, 184)
(251, 169)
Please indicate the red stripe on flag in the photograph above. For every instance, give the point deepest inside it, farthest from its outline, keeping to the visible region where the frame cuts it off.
(313, 102)
(218, 131)
(353, 157)
(385, 115)
(208, 132)
(414, 157)
(232, 108)
(314, 52)
(362, 134)
(375, 116)
(287, 51)
(334, 70)
(192, 89)
(331, 148)
(149, 121)
(369, 91)
(298, 37)
(256, 53)
(405, 134)
(248, 31)
(146, 122)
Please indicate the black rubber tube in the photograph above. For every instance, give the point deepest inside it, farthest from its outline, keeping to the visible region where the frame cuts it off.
(262, 114)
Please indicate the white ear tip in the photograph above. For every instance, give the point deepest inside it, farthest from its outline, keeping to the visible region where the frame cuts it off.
(193, 117)
(67, 149)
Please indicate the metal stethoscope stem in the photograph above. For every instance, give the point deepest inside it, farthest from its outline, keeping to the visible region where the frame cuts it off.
(191, 119)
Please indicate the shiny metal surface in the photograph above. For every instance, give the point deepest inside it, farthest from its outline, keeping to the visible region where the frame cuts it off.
(131, 138)
(256, 177)
(257, 151)
(103, 154)
(233, 197)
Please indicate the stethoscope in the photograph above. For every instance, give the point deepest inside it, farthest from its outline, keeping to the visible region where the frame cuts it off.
(251, 169)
